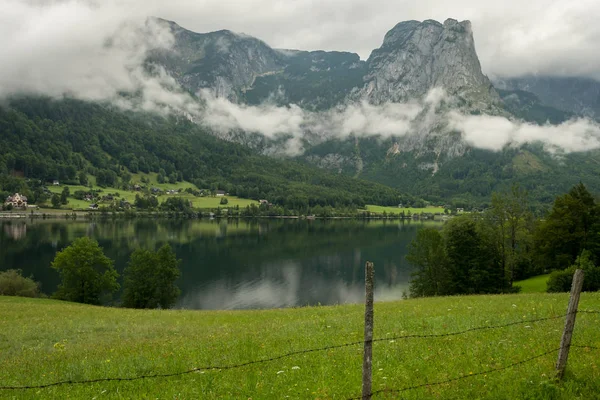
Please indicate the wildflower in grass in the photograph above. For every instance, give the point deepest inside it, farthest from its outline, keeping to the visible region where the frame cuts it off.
(280, 372)
(295, 367)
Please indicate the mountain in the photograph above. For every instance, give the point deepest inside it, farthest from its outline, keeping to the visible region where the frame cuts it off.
(579, 96)
(405, 99)
(223, 61)
(45, 139)
(418, 56)
(414, 58)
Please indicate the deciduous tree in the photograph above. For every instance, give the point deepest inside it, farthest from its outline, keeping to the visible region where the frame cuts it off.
(150, 279)
(87, 275)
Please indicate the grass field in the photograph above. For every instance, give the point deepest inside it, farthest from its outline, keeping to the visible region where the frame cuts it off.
(536, 284)
(396, 210)
(197, 202)
(42, 341)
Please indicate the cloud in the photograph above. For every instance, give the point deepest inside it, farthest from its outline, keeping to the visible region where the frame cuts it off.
(394, 120)
(88, 50)
(494, 133)
(293, 123)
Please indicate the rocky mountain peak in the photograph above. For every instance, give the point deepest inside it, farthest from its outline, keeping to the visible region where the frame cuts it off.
(223, 61)
(418, 56)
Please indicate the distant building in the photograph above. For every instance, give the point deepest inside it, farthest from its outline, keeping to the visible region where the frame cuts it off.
(93, 206)
(220, 193)
(459, 210)
(55, 183)
(16, 200)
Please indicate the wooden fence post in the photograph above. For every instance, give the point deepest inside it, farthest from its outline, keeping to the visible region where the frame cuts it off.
(367, 377)
(565, 343)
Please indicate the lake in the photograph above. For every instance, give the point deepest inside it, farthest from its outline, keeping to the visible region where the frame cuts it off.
(235, 264)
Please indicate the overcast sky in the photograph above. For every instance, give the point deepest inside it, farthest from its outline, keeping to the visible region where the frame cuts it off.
(513, 37)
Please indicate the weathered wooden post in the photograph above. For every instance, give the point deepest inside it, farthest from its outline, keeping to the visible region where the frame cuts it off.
(367, 377)
(565, 343)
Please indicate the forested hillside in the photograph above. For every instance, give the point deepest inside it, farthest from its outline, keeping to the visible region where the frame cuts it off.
(44, 139)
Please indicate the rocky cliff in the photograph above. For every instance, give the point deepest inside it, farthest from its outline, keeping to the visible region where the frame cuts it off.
(417, 56)
(414, 58)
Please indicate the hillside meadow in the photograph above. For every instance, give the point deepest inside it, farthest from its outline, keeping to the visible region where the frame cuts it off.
(129, 195)
(43, 341)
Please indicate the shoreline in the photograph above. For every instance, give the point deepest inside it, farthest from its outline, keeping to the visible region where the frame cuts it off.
(76, 214)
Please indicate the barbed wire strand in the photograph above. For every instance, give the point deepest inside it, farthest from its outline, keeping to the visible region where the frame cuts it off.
(265, 360)
(456, 378)
(585, 347)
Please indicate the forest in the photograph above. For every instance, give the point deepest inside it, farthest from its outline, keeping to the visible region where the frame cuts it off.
(487, 252)
(44, 139)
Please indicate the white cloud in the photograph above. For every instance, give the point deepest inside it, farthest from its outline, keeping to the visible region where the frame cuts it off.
(359, 119)
(493, 133)
(92, 51)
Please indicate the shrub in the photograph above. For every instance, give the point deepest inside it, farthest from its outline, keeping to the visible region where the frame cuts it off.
(12, 283)
(561, 281)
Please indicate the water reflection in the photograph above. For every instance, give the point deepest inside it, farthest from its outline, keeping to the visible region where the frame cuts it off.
(235, 264)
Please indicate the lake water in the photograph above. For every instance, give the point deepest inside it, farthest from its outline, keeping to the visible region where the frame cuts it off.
(234, 264)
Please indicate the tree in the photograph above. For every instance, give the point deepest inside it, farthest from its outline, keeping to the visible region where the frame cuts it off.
(83, 178)
(428, 254)
(87, 275)
(511, 219)
(64, 196)
(569, 228)
(55, 200)
(150, 279)
(472, 260)
(224, 201)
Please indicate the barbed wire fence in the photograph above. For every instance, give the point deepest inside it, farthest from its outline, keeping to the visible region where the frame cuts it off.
(369, 340)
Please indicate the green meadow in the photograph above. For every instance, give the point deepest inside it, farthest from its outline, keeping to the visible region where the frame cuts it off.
(396, 210)
(536, 284)
(43, 341)
(197, 202)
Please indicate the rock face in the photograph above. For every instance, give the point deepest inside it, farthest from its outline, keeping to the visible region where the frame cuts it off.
(414, 58)
(222, 61)
(576, 95)
(417, 56)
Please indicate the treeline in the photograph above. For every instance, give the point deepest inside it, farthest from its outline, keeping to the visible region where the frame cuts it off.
(44, 139)
(486, 252)
(88, 276)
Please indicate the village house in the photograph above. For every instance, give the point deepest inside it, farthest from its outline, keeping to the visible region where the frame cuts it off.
(55, 183)
(93, 206)
(16, 201)
(220, 193)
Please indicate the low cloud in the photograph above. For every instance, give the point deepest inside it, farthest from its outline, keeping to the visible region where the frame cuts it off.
(494, 133)
(87, 50)
(292, 122)
(395, 120)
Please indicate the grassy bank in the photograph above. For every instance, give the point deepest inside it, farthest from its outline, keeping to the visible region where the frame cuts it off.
(42, 341)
